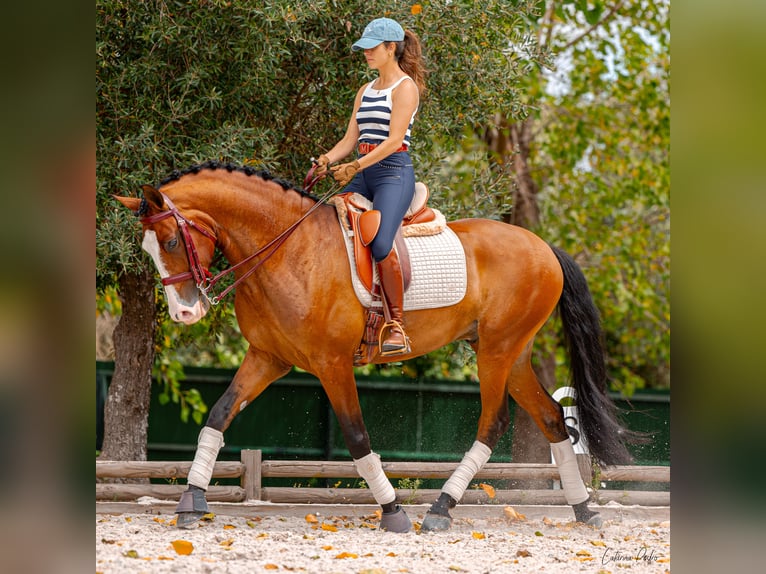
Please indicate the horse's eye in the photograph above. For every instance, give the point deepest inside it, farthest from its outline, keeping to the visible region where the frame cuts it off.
(172, 244)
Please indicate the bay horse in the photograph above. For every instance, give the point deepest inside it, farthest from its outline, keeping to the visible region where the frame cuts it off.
(296, 306)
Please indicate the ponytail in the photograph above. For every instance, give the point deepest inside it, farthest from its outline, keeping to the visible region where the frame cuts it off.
(410, 57)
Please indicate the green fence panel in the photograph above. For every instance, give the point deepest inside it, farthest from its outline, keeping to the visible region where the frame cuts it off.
(406, 420)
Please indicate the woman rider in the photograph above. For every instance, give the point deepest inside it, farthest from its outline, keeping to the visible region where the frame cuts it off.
(379, 128)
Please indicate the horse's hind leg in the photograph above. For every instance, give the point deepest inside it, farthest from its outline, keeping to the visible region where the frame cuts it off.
(257, 371)
(530, 395)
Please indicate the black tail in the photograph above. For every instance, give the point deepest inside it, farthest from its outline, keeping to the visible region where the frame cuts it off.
(605, 435)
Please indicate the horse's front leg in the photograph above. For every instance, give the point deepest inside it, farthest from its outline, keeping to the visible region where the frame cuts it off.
(257, 371)
(493, 423)
(344, 399)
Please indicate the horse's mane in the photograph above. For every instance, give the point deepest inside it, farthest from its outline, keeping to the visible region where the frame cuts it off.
(213, 165)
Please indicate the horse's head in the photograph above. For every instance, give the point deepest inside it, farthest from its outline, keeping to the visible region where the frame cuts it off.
(181, 250)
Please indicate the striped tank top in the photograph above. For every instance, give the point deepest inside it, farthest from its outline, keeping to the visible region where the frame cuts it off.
(374, 114)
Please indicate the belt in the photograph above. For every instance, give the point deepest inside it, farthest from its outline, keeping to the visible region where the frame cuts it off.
(365, 148)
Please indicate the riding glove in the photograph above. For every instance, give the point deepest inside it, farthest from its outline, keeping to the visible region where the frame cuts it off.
(321, 164)
(345, 172)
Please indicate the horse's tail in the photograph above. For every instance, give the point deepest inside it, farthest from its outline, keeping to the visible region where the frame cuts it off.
(605, 435)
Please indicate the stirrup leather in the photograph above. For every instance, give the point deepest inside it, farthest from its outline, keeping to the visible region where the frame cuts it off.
(390, 325)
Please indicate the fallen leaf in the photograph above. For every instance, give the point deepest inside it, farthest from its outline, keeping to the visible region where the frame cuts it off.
(584, 558)
(271, 567)
(538, 533)
(328, 547)
(343, 555)
(329, 527)
(262, 535)
(159, 520)
(523, 553)
(165, 558)
(511, 514)
(250, 523)
(173, 521)
(226, 543)
(597, 543)
(393, 554)
(229, 527)
(182, 547)
(489, 489)
(128, 519)
(311, 519)
(583, 553)
(130, 554)
(478, 535)
(209, 517)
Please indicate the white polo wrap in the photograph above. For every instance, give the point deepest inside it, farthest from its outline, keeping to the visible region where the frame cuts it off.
(472, 462)
(210, 441)
(371, 470)
(571, 481)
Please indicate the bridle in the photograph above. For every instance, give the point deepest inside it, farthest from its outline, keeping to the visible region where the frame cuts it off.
(203, 279)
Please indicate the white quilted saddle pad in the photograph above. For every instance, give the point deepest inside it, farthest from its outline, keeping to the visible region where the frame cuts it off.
(439, 277)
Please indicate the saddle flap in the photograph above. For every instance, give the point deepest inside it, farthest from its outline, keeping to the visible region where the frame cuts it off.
(369, 223)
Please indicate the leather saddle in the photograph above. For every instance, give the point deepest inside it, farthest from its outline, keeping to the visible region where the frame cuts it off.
(364, 221)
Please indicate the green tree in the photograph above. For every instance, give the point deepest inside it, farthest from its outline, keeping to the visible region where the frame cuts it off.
(269, 85)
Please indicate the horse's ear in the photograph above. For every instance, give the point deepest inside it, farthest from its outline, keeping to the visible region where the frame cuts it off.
(132, 203)
(153, 196)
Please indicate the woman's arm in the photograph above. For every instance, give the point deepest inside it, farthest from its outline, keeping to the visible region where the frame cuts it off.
(347, 145)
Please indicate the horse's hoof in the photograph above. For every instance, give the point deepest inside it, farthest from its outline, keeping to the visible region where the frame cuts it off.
(188, 519)
(596, 521)
(396, 521)
(436, 523)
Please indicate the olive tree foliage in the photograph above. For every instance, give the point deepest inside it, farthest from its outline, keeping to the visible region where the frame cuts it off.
(270, 84)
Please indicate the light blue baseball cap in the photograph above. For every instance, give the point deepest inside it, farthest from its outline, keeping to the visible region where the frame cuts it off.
(377, 31)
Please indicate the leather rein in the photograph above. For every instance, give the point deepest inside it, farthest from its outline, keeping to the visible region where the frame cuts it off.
(203, 279)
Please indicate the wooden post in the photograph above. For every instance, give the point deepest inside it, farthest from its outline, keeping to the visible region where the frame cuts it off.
(251, 474)
(586, 469)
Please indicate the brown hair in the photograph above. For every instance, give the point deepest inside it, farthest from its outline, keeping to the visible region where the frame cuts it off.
(410, 57)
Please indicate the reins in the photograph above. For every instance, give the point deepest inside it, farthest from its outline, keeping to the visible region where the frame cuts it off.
(202, 277)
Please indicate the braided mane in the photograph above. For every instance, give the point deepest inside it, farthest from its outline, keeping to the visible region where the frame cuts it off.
(213, 165)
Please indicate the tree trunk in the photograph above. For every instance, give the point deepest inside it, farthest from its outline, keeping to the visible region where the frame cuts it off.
(126, 413)
(510, 144)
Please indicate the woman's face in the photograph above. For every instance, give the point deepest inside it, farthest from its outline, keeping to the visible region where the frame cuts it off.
(377, 56)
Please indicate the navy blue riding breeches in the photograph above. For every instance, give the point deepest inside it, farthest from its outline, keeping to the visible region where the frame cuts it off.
(390, 185)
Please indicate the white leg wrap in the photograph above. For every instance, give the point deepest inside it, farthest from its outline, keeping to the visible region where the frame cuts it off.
(209, 443)
(472, 462)
(571, 481)
(370, 469)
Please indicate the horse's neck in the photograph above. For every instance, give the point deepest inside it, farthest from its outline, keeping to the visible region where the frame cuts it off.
(251, 212)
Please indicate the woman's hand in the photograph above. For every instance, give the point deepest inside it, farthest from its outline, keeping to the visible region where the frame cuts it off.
(320, 169)
(345, 172)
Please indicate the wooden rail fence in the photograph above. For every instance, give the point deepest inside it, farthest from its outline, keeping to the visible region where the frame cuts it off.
(251, 469)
